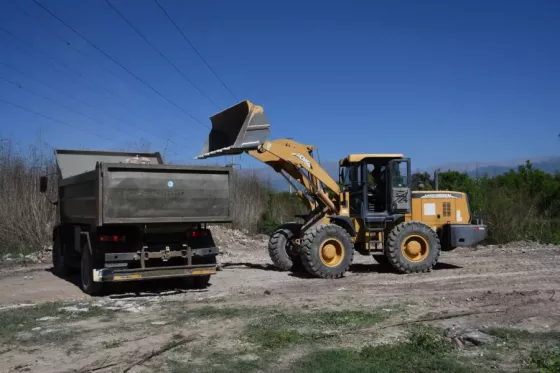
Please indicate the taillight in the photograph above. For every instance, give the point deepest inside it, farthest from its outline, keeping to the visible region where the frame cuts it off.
(198, 233)
(112, 238)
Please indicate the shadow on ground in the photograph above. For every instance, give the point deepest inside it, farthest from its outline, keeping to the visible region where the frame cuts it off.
(355, 268)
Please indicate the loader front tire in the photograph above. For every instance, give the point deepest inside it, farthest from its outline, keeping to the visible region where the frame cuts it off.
(327, 251)
(413, 247)
(281, 247)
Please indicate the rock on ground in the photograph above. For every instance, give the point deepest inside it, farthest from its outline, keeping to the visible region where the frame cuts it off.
(469, 335)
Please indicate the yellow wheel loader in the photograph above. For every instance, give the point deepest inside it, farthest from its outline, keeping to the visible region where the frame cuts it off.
(371, 209)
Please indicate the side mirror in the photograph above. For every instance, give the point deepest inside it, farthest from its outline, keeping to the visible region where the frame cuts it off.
(43, 184)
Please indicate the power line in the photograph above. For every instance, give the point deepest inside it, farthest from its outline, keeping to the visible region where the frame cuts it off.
(56, 120)
(62, 105)
(194, 48)
(52, 59)
(89, 58)
(80, 101)
(121, 66)
(160, 53)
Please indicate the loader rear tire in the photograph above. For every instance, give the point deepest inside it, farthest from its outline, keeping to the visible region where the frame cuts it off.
(413, 247)
(327, 251)
(281, 248)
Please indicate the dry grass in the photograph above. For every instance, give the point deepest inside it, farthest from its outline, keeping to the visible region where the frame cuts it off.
(26, 217)
(250, 201)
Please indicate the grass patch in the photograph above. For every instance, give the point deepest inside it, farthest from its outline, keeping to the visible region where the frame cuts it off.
(209, 312)
(537, 352)
(546, 360)
(511, 335)
(285, 329)
(424, 351)
(18, 324)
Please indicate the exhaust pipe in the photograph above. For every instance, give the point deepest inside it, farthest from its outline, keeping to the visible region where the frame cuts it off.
(242, 127)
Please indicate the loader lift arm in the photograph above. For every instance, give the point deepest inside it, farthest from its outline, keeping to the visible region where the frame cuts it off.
(244, 128)
(296, 160)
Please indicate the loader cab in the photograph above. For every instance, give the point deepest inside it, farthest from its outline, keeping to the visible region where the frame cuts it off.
(378, 186)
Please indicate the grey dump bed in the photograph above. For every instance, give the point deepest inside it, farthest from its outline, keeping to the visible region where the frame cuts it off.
(100, 188)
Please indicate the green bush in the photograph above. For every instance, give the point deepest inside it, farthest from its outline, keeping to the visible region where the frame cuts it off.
(522, 204)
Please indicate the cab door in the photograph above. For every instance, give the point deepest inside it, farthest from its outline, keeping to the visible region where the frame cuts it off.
(400, 185)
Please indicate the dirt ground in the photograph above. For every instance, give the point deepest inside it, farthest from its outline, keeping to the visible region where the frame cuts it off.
(510, 286)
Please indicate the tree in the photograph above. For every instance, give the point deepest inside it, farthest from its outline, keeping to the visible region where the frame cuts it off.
(419, 178)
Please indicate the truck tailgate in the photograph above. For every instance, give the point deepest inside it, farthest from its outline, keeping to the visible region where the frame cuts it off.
(135, 193)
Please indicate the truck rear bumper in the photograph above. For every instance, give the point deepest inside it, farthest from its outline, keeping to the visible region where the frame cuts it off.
(125, 274)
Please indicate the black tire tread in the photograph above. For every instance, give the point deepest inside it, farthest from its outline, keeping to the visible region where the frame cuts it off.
(393, 250)
(280, 258)
(315, 267)
(90, 288)
(59, 269)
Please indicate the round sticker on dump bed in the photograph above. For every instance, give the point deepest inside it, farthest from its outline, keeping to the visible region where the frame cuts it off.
(170, 184)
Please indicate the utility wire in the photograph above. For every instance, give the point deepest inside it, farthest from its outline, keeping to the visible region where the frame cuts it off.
(59, 121)
(160, 53)
(120, 65)
(82, 102)
(194, 48)
(52, 59)
(20, 86)
(90, 58)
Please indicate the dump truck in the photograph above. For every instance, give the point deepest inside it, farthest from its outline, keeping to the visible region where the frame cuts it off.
(370, 210)
(123, 216)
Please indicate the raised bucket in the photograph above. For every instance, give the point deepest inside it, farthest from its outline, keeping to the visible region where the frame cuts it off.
(241, 127)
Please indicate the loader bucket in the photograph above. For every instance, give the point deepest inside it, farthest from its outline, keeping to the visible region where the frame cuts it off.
(241, 127)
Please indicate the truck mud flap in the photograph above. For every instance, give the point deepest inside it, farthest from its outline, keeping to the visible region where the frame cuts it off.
(244, 126)
(119, 275)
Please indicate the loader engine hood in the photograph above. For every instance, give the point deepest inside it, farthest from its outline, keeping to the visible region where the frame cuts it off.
(242, 127)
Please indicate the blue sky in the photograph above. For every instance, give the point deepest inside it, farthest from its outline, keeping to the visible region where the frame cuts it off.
(441, 81)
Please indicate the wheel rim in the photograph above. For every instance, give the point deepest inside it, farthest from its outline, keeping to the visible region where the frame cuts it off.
(331, 252)
(415, 248)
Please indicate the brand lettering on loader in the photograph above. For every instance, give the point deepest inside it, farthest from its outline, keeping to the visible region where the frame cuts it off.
(303, 159)
(439, 195)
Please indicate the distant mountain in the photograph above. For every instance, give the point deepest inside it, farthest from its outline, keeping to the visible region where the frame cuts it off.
(549, 164)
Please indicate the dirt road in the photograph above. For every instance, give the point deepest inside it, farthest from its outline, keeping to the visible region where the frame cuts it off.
(510, 286)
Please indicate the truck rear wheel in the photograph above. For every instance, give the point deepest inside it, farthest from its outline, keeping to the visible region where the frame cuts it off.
(88, 264)
(60, 267)
(281, 248)
(201, 282)
(413, 247)
(327, 251)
